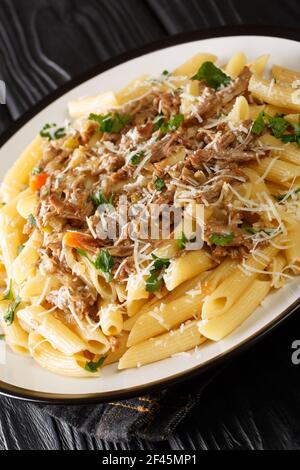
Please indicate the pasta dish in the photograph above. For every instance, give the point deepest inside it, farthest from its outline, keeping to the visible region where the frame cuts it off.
(97, 268)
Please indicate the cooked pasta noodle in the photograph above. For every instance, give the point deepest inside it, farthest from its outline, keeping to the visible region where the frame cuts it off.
(105, 256)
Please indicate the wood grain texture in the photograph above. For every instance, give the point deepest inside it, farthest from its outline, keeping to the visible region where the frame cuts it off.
(255, 403)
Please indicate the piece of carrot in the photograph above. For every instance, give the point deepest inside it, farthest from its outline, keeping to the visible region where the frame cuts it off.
(37, 181)
(75, 239)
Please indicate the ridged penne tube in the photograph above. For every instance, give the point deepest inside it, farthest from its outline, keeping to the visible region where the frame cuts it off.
(169, 297)
(293, 251)
(277, 171)
(105, 289)
(191, 66)
(288, 152)
(27, 205)
(230, 289)
(164, 317)
(271, 93)
(167, 249)
(133, 90)
(38, 286)
(258, 65)
(24, 266)
(284, 76)
(136, 288)
(154, 349)
(236, 64)
(135, 306)
(277, 267)
(111, 320)
(11, 238)
(17, 176)
(240, 111)
(15, 336)
(97, 104)
(59, 336)
(96, 342)
(258, 185)
(120, 347)
(179, 306)
(185, 267)
(220, 326)
(56, 361)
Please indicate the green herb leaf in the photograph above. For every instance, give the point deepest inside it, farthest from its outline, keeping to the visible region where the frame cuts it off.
(176, 122)
(137, 157)
(158, 122)
(159, 263)
(94, 366)
(10, 293)
(9, 314)
(172, 126)
(84, 254)
(221, 239)
(51, 132)
(259, 124)
(2, 337)
(99, 198)
(111, 122)
(159, 184)
(36, 170)
(165, 72)
(31, 220)
(212, 75)
(278, 125)
(182, 241)
(154, 283)
(105, 262)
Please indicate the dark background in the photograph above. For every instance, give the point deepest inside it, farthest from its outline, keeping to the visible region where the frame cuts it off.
(254, 403)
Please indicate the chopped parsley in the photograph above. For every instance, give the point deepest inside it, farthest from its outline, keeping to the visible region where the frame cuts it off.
(31, 220)
(158, 121)
(104, 262)
(36, 170)
(212, 75)
(155, 281)
(94, 366)
(137, 157)
(2, 337)
(182, 241)
(52, 132)
(9, 314)
(10, 293)
(172, 126)
(221, 239)
(159, 184)
(279, 127)
(165, 72)
(99, 198)
(111, 122)
(259, 124)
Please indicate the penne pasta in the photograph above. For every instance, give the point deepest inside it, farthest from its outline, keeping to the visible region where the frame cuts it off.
(161, 216)
(161, 347)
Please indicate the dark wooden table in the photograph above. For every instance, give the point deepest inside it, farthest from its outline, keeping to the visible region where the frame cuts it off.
(254, 403)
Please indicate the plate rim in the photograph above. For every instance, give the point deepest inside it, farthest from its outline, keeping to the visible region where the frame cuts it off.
(13, 391)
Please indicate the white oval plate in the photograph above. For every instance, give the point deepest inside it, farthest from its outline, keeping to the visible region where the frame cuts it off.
(22, 377)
